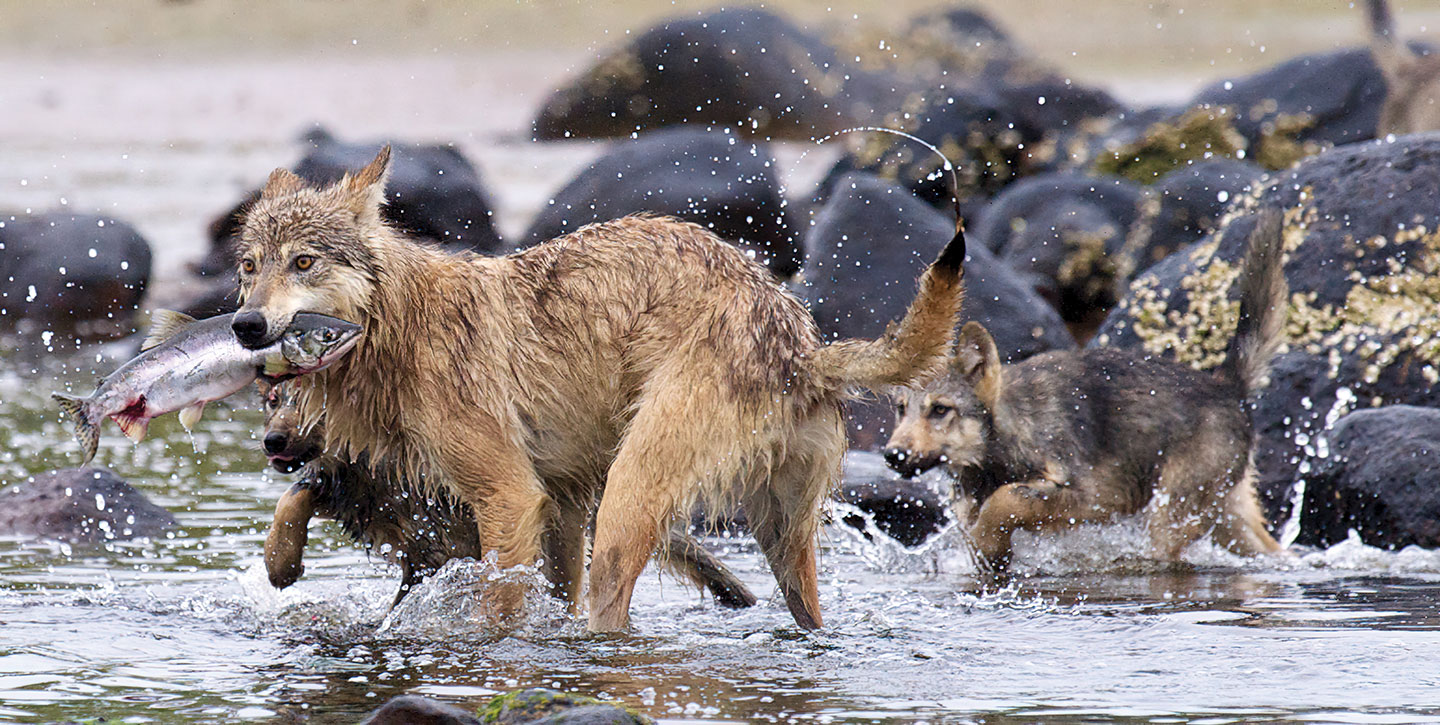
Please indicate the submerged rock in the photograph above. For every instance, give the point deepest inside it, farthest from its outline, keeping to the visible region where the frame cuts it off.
(81, 505)
(706, 177)
(433, 193)
(417, 710)
(869, 245)
(908, 510)
(74, 274)
(1362, 237)
(1380, 477)
(539, 706)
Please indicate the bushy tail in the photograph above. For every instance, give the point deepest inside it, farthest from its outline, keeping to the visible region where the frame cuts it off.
(915, 348)
(1390, 54)
(685, 557)
(86, 431)
(1264, 299)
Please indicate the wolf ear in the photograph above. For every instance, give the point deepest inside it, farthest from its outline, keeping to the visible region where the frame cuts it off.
(978, 363)
(280, 183)
(364, 190)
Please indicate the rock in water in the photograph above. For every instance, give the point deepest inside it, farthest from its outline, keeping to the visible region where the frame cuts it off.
(417, 710)
(82, 505)
(1380, 477)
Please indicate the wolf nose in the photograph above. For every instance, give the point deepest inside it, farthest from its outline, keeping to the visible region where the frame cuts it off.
(249, 327)
(896, 457)
(275, 443)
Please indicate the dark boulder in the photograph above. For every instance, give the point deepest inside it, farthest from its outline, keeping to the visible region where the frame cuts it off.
(908, 510)
(1379, 475)
(869, 245)
(1362, 250)
(539, 706)
(417, 710)
(707, 177)
(1182, 207)
(77, 275)
(746, 69)
(1064, 231)
(433, 194)
(81, 505)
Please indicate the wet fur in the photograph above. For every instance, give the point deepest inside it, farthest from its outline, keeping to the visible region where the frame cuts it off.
(640, 362)
(1075, 436)
(1412, 81)
(418, 530)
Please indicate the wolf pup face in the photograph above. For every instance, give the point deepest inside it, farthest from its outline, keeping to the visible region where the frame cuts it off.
(948, 422)
(304, 250)
(288, 446)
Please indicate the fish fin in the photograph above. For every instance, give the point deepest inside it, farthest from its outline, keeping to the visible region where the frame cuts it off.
(165, 324)
(190, 415)
(133, 428)
(86, 432)
(276, 366)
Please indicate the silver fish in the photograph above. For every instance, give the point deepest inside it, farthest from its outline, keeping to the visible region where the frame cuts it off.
(186, 363)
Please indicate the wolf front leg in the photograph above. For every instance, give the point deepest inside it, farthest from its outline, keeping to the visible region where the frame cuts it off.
(1036, 504)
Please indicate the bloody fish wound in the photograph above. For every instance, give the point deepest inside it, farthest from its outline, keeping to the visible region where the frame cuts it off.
(186, 363)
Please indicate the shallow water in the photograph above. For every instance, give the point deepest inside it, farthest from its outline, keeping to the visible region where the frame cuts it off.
(186, 626)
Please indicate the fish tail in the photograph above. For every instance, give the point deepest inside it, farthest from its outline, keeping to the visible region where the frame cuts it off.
(86, 432)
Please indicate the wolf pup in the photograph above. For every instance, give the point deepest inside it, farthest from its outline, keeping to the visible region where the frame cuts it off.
(1075, 436)
(416, 530)
(640, 363)
(1412, 81)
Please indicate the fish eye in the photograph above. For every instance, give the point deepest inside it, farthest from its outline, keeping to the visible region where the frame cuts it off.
(329, 334)
(938, 411)
(304, 262)
(247, 266)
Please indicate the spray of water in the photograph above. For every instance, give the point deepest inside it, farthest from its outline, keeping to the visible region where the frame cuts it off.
(949, 165)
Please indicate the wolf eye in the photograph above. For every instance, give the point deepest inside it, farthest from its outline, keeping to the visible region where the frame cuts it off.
(272, 401)
(900, 408)
(938, 411)
(247, 266)
(304, 261)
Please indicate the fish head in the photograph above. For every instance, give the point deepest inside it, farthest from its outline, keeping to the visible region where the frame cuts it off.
(315, 341)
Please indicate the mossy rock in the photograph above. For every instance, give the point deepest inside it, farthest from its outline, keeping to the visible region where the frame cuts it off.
(539, 706)
(1362, 240)
(1182, 207)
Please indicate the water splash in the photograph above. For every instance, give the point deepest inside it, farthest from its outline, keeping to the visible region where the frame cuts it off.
(948, 165)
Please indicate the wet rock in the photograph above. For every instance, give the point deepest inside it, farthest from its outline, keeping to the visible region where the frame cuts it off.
(1381, 479)
(81, 505)
(1362, 236)
(1182, 207)
(433, 193)
(416, 710)
(706, 177)
(1063, 232)
(747, 69)
(75, 274)
(868, 246)
(907, 510)
(539, 706)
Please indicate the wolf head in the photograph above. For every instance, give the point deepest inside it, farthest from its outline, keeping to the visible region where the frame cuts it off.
(288, 445)
(304, 249)
(949, 421)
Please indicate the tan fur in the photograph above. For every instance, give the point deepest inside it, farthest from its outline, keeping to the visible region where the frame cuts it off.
(1412, 82)
(643, 353)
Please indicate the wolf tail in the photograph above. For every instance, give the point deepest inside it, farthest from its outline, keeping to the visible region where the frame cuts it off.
(86, 431)
(915, 348)
(1390, 54)
(1263, 303)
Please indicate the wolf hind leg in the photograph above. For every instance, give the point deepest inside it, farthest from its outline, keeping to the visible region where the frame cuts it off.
(683, 435)
(1242, 527)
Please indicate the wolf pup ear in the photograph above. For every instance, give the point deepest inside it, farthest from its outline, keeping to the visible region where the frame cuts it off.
(365, 189)
(978, 363)
(280, 183)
